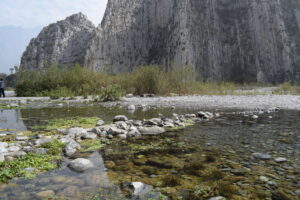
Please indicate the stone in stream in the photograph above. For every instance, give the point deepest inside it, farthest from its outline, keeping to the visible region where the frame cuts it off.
(280, 159)
(40, 151)
(202, 115)
(154, 130)
(254, 117)
(22, 138)
(100, 122)
(71, 148)
(120, 118)
(45, 194)
(3, 147)
(2, 158)
(13, 149)
(116, 131)
(75, 132)
(217, 198)
(262, 156)
(42, 141)
(131, 107)
(80, 164)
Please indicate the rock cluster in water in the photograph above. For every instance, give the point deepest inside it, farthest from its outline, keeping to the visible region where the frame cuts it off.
(121, 128)
(222, 40)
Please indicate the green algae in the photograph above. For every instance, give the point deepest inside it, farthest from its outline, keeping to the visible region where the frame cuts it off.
(92, 145)
(16, 168)
(53, 124)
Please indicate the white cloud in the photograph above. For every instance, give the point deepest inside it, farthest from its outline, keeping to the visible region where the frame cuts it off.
(30, 13)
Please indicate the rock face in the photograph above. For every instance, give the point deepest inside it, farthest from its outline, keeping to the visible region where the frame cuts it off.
(221, 39)
(64, 42)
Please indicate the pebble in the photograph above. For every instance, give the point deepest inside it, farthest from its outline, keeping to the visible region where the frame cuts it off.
(262, 156)
(131, 107)
(280, 160)
(45, 194)
(217, 198)
(263, 179)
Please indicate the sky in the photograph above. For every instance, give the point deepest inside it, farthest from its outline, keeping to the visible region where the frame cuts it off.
(21, 20)
(33, 13)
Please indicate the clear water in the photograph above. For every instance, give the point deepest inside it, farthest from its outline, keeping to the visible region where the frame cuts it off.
(236, 137)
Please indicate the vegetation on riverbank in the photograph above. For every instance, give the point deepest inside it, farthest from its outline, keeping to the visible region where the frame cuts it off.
(66, 82)
(77, 81)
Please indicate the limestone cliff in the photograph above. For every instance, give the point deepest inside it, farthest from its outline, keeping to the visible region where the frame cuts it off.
(64, 42)
(254, 40)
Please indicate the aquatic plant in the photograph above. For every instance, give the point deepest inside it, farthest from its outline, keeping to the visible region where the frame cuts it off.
(17, 167)
(54, 147)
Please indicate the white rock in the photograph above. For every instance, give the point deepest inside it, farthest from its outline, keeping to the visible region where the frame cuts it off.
(2, 158)
(13, 149)
(120, 118)
(262, 156)
(280, 159)
(217, 198)
(3, 147)
(131, 107)
(263, 179)
(254, 117)
(154, 130)
(21, 138)
(100, 123)
(80, 164)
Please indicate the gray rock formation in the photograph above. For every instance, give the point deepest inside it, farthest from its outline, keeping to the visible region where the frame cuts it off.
(236, 40)
(64, 42)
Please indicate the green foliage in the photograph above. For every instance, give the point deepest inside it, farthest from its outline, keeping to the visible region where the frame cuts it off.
(62, 82)
(15, 168)
(53, 124)
(287, 88)
(112, 93)
(54, 147)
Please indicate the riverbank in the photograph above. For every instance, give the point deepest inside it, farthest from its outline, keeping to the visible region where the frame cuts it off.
(241, 102)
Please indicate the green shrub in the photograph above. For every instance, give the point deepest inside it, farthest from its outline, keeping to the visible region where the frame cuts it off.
(112, 93)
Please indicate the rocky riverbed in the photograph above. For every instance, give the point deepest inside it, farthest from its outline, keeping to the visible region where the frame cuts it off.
(145, 150)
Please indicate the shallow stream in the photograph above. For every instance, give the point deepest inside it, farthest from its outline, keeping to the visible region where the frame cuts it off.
(230, 139)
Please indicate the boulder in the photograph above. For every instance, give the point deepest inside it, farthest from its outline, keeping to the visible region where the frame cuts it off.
(131, 107)
(13, 149)
(120, 118)
(40, 151)
(71, 148)
(80, 164)
(100, 123)
(3, 147)
(154, 130)
(116, 131)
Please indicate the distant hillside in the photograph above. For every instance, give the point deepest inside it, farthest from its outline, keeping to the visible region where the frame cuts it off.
(13, 42)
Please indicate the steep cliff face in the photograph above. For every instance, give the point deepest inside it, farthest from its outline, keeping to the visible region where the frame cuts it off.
(64, 42)
(257, 40)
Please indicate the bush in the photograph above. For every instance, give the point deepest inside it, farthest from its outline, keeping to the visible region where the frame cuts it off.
(62, 82)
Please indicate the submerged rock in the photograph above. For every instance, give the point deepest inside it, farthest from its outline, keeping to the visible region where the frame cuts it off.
(262, 156)
(154, 130)
(80, 164)
(280, 160)
(100, 123)
(45, 194)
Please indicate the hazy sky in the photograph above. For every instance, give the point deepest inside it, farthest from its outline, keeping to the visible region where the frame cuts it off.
(32, 13)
